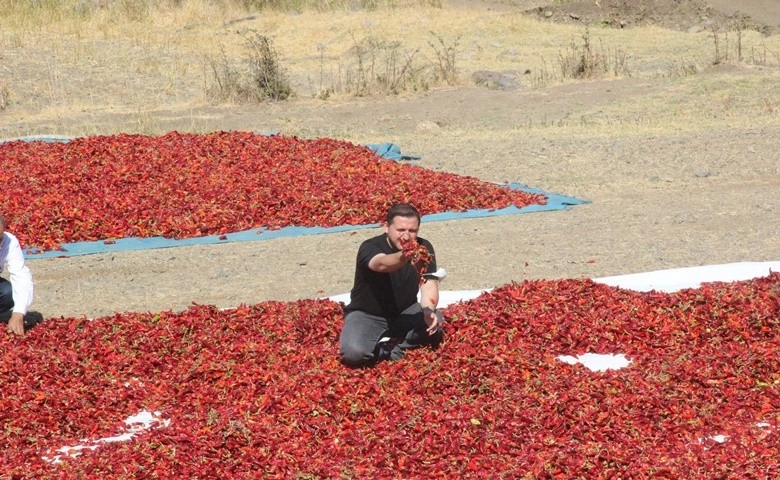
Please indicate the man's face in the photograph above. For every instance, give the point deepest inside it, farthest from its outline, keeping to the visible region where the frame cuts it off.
(402, 228)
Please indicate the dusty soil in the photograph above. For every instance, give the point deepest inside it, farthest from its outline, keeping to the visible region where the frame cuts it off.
(658, 200)
(763, 16)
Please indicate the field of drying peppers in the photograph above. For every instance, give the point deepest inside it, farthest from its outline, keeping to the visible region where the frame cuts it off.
(189, 185)
(257, 391)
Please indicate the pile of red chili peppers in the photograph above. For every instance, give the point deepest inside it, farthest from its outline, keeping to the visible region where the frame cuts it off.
(258, 392)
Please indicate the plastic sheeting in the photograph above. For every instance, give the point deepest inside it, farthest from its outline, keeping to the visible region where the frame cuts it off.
(669, 281)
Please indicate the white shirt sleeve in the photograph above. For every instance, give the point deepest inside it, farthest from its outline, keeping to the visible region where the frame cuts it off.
(21, 277)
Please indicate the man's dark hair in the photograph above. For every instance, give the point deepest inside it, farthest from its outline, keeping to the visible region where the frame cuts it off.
(402, 210)
(2, 221)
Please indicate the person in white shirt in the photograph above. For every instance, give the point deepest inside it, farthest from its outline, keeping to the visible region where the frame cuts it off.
(16, 295)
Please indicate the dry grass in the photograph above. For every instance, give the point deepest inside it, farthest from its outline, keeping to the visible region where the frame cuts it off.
(141, 58)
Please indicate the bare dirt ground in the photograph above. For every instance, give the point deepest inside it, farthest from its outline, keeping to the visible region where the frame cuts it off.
(762, 15)
(658, 199)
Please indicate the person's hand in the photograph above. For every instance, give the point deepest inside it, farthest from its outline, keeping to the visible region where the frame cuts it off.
(418, 255)
(409, 248)
(16, 324)
(429, 315)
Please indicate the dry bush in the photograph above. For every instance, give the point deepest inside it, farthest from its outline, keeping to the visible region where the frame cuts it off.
(262, 79)
(5, 96)
(587, 60)
(445, 59)
(375, 65)
(582, 61)
(265, 71)
(729, 45)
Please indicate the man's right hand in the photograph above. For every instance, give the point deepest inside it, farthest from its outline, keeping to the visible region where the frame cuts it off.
(16, 324)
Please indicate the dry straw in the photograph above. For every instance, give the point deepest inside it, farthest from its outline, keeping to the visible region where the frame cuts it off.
(135, 57)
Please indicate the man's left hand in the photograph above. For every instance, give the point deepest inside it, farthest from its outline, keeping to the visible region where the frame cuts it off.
(16, 324)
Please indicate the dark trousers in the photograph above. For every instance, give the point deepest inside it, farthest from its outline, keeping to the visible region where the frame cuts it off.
(6, 295)
(362, 331)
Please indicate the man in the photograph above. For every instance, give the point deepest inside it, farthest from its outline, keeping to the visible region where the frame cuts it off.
(16, 295)
(384, 304)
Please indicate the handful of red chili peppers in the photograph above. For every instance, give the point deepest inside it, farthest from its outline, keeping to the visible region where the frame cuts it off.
(418, 255)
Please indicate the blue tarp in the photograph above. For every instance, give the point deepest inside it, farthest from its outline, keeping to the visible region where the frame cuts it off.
(391, 151)
(386, 150)
(554, 202)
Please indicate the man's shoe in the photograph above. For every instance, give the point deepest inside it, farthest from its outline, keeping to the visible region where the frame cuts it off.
(32, 319)
(385, 347)
(436, 338)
